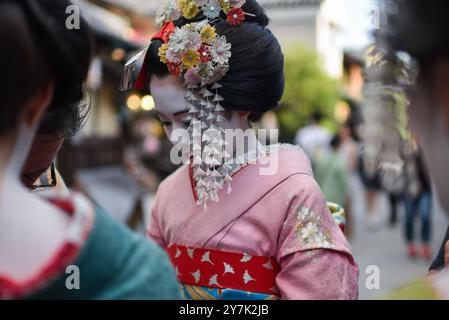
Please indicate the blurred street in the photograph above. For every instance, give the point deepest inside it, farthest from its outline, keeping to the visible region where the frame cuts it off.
(386, 248)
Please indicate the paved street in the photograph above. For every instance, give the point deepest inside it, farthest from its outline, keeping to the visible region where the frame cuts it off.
(386, 248)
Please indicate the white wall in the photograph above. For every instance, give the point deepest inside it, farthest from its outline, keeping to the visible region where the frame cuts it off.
(293, 25)
(330, 36)
(319, 28)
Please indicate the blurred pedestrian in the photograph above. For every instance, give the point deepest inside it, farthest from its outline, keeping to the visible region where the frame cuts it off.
(348, 149)
(395, 199)
(393, 181)
(429, 102)
(418, 201)
(370, 175)
(331, 173)
(314, 138)
(349, 153)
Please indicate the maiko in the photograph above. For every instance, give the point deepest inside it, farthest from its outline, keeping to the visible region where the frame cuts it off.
(191, 310)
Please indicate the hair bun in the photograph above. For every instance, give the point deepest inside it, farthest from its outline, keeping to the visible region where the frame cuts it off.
(255, 79)
(253, 7)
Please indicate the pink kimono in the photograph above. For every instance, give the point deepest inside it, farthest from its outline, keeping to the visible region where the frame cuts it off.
(282, 218)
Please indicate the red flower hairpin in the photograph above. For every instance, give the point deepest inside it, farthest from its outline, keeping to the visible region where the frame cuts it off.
(174, 69)
(204, 52)
(235, 16)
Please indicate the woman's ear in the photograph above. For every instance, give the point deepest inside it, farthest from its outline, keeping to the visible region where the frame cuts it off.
(37, 105)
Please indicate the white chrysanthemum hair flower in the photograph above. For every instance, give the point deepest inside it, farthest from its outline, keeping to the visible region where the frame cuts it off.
(221, 50)
(211, 9)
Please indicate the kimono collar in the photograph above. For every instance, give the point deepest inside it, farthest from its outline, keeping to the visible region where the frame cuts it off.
(291, 161)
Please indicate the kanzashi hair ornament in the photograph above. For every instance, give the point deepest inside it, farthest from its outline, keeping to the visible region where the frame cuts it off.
(172, 10)
(198, 56)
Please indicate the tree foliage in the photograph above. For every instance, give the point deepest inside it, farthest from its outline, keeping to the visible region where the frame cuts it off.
(307, 89)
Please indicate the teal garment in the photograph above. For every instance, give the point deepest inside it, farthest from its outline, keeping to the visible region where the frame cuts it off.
(331, 174)
(116, 263)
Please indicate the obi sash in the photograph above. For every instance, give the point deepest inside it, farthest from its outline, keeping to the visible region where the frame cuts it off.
(339, 215)
(224, 270)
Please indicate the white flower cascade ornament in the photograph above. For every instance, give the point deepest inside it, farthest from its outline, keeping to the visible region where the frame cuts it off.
(199, 56)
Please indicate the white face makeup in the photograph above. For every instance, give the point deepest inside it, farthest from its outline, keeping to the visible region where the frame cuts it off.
(168, 94)
(187, 114)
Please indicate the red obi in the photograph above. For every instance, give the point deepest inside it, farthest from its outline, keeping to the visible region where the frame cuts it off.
(224, 270)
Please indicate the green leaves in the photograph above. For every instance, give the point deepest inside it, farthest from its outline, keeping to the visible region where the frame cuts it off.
(308, 88)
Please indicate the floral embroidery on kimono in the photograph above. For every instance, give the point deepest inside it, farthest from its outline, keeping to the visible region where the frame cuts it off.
(312, 230)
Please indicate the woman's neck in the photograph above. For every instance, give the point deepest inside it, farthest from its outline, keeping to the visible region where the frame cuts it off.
(244, 136)
(251, 145)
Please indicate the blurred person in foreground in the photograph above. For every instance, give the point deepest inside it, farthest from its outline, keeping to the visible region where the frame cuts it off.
(429, 108)
(44, 240)
(441, 262)
(62, 119)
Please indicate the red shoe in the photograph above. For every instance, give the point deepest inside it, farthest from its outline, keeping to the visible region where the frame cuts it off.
(426, 252)
(411, 251)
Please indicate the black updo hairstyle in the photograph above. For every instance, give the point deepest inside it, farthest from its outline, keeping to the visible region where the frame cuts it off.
(38, 47)
(255, 80)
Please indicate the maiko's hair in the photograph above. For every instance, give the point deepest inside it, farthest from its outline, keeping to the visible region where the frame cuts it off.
(40, 48)
(419, 28)
(255, 80)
